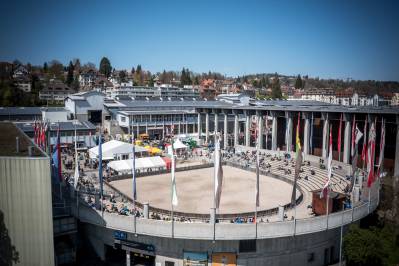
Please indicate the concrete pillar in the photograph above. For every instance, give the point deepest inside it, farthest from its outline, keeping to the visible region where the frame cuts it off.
(274, 133)
(325, 137)
(179, 126)
(280, 214)
(199, 126)
(288, 135)
(128, 258)
(225, 141)
(347, 141)
(396, 166)
(216, 124)
(260, 131)
(212, 218)
(146, 210)
(146, 127)
(235, 129)
(306, 137)
(247, 126)
(163, 127)
(207, 127)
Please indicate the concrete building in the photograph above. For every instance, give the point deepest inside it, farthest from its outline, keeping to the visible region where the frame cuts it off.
(85, 106)
(160, 92)
(25, 197)
(55, 91)
(52, 114)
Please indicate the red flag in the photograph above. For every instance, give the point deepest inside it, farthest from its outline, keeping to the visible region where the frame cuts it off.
(339, 134)
(371, 152)
(35, 132)
(364, 149)
(353, 137)
(39, 137)
(44, 136)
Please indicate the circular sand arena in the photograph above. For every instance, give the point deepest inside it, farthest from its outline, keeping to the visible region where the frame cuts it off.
(195, 191)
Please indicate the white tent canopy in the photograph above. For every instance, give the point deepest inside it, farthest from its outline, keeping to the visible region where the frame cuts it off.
(114, 149)
(125, 166)
(179, 145)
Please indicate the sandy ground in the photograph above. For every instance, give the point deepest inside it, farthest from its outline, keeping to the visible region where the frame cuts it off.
(195, 187)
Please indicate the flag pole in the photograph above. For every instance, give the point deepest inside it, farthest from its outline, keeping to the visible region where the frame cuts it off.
(257, 179)
(100, 172)
(327, 199)
(172, 194)
(134, 179)
(342, 229)
(214, 185)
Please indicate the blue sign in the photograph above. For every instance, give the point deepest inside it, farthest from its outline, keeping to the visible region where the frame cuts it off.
(120, 235)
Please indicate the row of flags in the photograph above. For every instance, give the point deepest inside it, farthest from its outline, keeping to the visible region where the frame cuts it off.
(40, 129)
(368, 155)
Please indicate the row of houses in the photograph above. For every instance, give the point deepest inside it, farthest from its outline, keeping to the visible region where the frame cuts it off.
(349, 97)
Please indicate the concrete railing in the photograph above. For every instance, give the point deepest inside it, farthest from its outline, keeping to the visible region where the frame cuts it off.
(223, 231)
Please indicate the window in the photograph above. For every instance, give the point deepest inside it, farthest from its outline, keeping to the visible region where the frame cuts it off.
(169, 263)
(310, 257)
(123, 119)
(247, 246)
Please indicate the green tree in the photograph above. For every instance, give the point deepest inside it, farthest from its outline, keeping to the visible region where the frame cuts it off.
(298, 83)
(122, 76)
(56, 69)
(76, 65)
(70, 76)
(372, 246)
(8, 253)
(255, 83)
(185, 78)
(45, 67)
(276, 88)
(105, 67)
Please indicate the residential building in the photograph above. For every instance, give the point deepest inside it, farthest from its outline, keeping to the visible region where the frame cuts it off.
(55, 91)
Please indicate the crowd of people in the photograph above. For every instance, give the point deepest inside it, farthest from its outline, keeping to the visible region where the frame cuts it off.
(89, 183)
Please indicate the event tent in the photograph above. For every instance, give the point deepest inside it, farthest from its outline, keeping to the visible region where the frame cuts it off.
(115, 149)
(142, 164)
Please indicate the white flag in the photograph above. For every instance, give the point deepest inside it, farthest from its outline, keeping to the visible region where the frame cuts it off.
(358, 134)
(76, 177)
(218, 173)
(174, 192)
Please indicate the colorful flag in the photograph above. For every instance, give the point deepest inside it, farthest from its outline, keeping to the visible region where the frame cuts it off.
(298, 162)
(370, 155)
(175, 201)
(353, 136)
(358, 135)
(57, 157)
(76, 176)
(329, 168)
(339, 135)
(218, 174)
(382, 149)
(134, 167)
(364, 149)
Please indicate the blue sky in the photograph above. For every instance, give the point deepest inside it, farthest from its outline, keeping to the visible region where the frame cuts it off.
(330, 39)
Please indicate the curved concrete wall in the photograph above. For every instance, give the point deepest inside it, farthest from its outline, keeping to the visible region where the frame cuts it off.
(224, 231)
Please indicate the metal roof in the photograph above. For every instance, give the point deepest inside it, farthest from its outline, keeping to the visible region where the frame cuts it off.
(64, 126)
(310, 106)
(32, 111)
